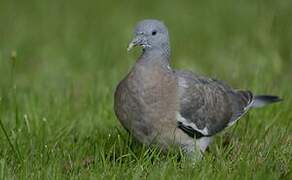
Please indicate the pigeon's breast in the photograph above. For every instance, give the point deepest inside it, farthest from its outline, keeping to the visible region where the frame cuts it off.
(148, 102)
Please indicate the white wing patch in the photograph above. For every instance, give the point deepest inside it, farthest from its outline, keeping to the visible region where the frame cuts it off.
(185, 122)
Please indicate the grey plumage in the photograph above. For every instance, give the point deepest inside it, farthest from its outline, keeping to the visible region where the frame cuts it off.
(262, 100)
(170, 107)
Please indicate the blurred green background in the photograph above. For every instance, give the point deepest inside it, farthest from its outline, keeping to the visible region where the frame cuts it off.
(56, 102)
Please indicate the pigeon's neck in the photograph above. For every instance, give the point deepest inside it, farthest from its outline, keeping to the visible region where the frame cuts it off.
(155, 55)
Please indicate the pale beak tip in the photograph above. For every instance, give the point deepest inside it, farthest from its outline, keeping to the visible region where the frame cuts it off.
(131, 45)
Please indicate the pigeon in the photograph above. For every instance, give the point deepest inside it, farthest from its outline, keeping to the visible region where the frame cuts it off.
(170, 108)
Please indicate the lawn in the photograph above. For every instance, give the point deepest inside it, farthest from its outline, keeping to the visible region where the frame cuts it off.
(60, 62)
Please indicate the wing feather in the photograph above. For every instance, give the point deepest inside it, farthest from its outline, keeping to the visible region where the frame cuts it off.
(209, 105)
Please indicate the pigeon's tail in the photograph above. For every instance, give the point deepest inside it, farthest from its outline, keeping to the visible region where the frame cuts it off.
(262, 100)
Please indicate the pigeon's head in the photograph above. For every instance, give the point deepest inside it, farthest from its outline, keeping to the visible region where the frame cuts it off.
(150, 34)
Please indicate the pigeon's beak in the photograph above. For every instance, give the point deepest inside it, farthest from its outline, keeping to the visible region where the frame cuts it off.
(137, 41)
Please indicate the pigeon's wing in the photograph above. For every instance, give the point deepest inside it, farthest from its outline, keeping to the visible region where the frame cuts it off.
(207, 106)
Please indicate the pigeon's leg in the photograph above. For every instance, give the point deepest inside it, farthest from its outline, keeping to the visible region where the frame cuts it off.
(203, 142)
(196, 148)
(193, 152)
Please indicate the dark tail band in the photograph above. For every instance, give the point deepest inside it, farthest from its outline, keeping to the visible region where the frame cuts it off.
(262, 100)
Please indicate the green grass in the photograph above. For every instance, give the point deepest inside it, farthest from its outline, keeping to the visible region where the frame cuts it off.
(56, 95)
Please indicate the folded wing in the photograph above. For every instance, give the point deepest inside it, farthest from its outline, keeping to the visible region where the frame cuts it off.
(207, 106)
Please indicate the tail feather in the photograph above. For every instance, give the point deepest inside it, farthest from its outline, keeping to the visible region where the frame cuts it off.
(262, 100)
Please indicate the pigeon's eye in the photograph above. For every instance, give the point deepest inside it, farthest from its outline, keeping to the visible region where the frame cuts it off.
(154, 33)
